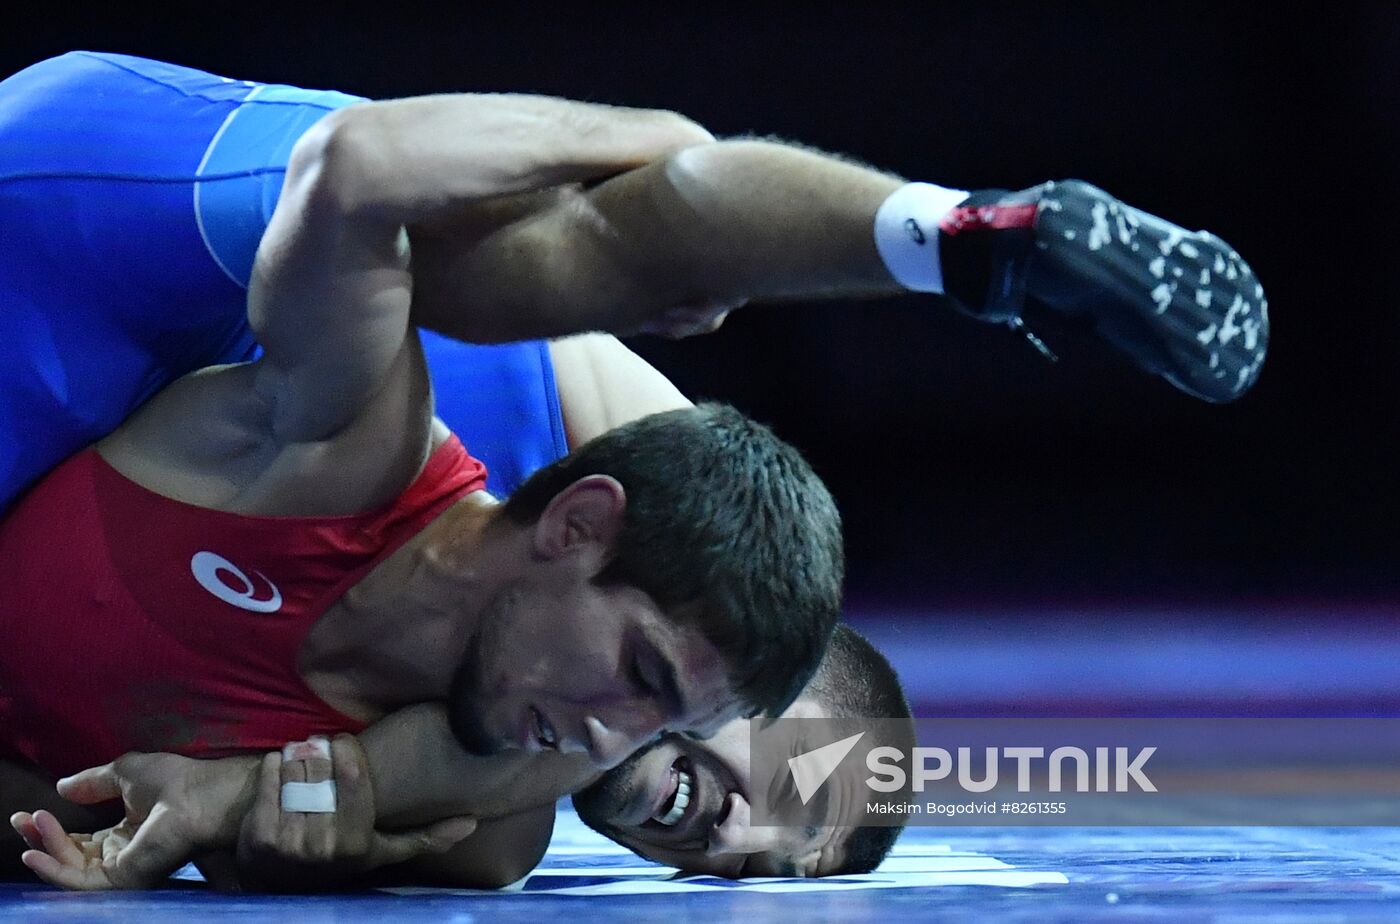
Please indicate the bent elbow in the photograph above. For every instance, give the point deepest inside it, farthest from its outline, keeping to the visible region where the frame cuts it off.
(328, 165)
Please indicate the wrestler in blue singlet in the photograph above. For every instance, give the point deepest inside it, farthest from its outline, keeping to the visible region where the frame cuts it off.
(133, 195)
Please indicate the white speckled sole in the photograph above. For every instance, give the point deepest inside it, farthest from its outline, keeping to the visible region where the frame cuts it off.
(1182, 303)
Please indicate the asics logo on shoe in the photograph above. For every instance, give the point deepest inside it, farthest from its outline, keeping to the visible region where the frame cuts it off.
(225, 580)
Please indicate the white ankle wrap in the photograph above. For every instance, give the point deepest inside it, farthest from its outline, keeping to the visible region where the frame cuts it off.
(906, 233)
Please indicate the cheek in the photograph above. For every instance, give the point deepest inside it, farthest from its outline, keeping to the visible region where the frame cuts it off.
(566, 658)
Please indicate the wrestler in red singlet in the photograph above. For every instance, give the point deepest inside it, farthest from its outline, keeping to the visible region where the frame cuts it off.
(158, 625)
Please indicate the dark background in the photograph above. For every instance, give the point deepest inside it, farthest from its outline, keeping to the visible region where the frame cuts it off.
(968, 468)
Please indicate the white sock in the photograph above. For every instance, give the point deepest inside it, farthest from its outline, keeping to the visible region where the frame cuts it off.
(906, 233)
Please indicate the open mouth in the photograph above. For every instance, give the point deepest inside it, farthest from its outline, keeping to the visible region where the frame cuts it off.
(674, 803)
(544, 731)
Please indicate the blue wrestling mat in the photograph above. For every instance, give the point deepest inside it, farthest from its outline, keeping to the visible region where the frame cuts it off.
(942, 874)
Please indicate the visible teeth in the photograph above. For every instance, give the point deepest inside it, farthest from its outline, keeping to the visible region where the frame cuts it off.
(682, 800)
(546, 730)
(678, 808)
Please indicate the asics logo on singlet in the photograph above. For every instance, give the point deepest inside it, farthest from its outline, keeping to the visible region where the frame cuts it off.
(210, 571)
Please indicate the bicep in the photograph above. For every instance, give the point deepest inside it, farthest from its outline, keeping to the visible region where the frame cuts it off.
(329, 302)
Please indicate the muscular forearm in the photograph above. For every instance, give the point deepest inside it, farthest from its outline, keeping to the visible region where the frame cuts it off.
(716, 223)
(420, 774)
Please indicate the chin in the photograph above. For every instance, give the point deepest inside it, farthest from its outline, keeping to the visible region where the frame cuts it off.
(600, 805)
(597, 804)
(466, 716)
(474, 738)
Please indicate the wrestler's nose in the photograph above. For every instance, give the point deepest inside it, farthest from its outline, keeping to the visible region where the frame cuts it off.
(609, 745)
(736, 833)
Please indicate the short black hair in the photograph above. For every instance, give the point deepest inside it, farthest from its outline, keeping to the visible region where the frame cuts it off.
(855, 681)
(722, 513)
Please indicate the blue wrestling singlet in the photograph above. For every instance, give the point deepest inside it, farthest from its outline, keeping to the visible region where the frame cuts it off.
(133, 195)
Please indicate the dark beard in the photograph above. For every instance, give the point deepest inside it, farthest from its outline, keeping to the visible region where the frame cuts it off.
(599, 801)
(465, 716)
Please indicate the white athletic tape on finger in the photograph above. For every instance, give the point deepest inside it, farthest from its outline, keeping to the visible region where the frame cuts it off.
(317, 798)
(305, 750)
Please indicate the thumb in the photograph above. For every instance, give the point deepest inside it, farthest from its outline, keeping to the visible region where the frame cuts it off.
(158, 848)
(438, 837)
(88, 787)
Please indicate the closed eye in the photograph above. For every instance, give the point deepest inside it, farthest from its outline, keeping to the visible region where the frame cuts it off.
(653, 676)
(637, 677)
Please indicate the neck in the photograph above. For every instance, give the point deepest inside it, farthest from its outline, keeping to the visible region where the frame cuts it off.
(404, 628)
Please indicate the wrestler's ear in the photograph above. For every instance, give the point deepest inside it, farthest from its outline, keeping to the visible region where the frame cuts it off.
(582, 520)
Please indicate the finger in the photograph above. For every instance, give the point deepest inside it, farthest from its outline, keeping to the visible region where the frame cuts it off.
(354, 794)
(54, 840)
(315, 746)
(289, 831)
(292, 771)
(156, 850)
(258, 838)
(319, 770)
(314, 753)
(23, 823)
(85, 878)
(290, 826)
(402, 846)
(265, 816)
(92, 849)
(317, 829)
(88, 787)
(111, 842)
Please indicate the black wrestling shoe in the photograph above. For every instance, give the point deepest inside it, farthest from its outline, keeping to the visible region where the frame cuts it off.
(1181, 304)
